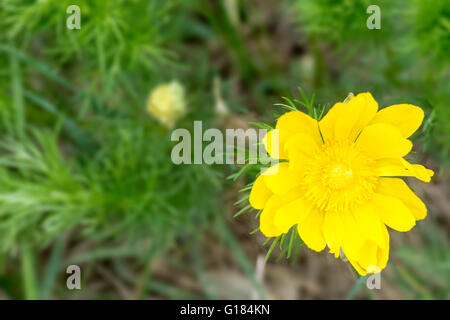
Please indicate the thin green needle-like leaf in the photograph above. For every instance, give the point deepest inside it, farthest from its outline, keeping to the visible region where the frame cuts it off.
(272, 246)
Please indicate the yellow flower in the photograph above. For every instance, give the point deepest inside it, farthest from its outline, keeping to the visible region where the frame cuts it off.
(167, 103)
(338, 183)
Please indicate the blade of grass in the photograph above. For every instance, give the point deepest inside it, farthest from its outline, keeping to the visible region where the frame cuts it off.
(356, 287)
(28, 272)
(70, 126)
(37, 64)
(244, 209)
(53, 268)
(17, 92)
(291, 242)
(272, 246)
(245, 265)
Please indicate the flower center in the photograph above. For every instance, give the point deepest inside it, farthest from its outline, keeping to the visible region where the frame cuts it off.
(339, 177)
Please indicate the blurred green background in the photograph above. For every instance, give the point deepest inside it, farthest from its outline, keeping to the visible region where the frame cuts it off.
(85, 170)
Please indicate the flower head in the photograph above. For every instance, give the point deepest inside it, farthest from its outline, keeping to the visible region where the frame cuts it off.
(338, 183)
(167, 103)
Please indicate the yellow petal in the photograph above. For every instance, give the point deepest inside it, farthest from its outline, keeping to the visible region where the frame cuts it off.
(420, 172)
(279, 179)
(327, 123)
(259, 193)
(303, 143)
(393, 212)
(383, 253)
(288, 125)
(370, 224)
(406, 117)
(300, 149)
(266, 225)
(310, 231)
(333, 231)
(382, 140)
(291, 214)
(357, 267)
(346, 120)
(271, 142)
(398, 167)
(368, 255)
(273, 205)
(371, 258)
(354, 238)
(397, 188)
